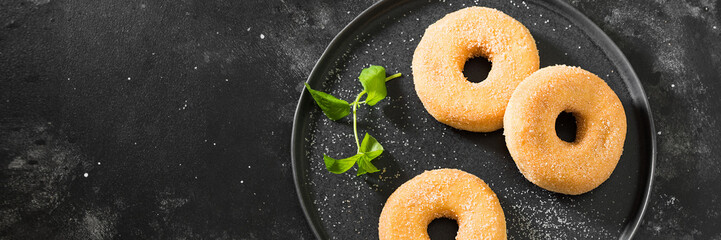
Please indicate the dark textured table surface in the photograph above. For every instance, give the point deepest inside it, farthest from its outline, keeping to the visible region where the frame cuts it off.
(172, 119)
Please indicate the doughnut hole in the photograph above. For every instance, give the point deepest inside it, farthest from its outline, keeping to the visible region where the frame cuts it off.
(476, 69)
(443, 229)
(566, 127)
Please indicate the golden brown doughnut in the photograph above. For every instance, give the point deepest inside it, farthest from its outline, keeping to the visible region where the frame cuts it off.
(546, 160)
(448, 193)
(439, 59)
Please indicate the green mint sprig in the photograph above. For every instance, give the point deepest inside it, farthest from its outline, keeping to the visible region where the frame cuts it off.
(374, 81)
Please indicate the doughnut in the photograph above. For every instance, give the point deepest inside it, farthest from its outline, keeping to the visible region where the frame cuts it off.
(529, 127)
(445, 47)
(448, 193)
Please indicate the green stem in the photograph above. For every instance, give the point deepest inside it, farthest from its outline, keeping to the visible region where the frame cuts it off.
(355, 106)
(355, 118)
(393, 76)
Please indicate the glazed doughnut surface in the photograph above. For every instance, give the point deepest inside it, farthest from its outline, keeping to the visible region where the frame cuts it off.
(546, 160)
(440, 193)
(439, 59)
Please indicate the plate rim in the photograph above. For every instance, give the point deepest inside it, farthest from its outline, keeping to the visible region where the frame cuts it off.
(598, 36)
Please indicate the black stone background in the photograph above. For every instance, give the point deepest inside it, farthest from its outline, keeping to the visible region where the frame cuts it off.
(180, 114)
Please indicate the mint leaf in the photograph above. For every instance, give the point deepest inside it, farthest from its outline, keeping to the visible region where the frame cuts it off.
(373, 80)
(332, 107)
(365, 165)
(339, 166)
(370, 149)
(370, 145)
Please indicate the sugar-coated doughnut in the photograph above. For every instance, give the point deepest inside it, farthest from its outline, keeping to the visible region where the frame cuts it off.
(546, 160)
(448, 193)
(439, 59)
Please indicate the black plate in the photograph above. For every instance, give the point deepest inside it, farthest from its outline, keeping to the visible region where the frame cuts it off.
(347, 207)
